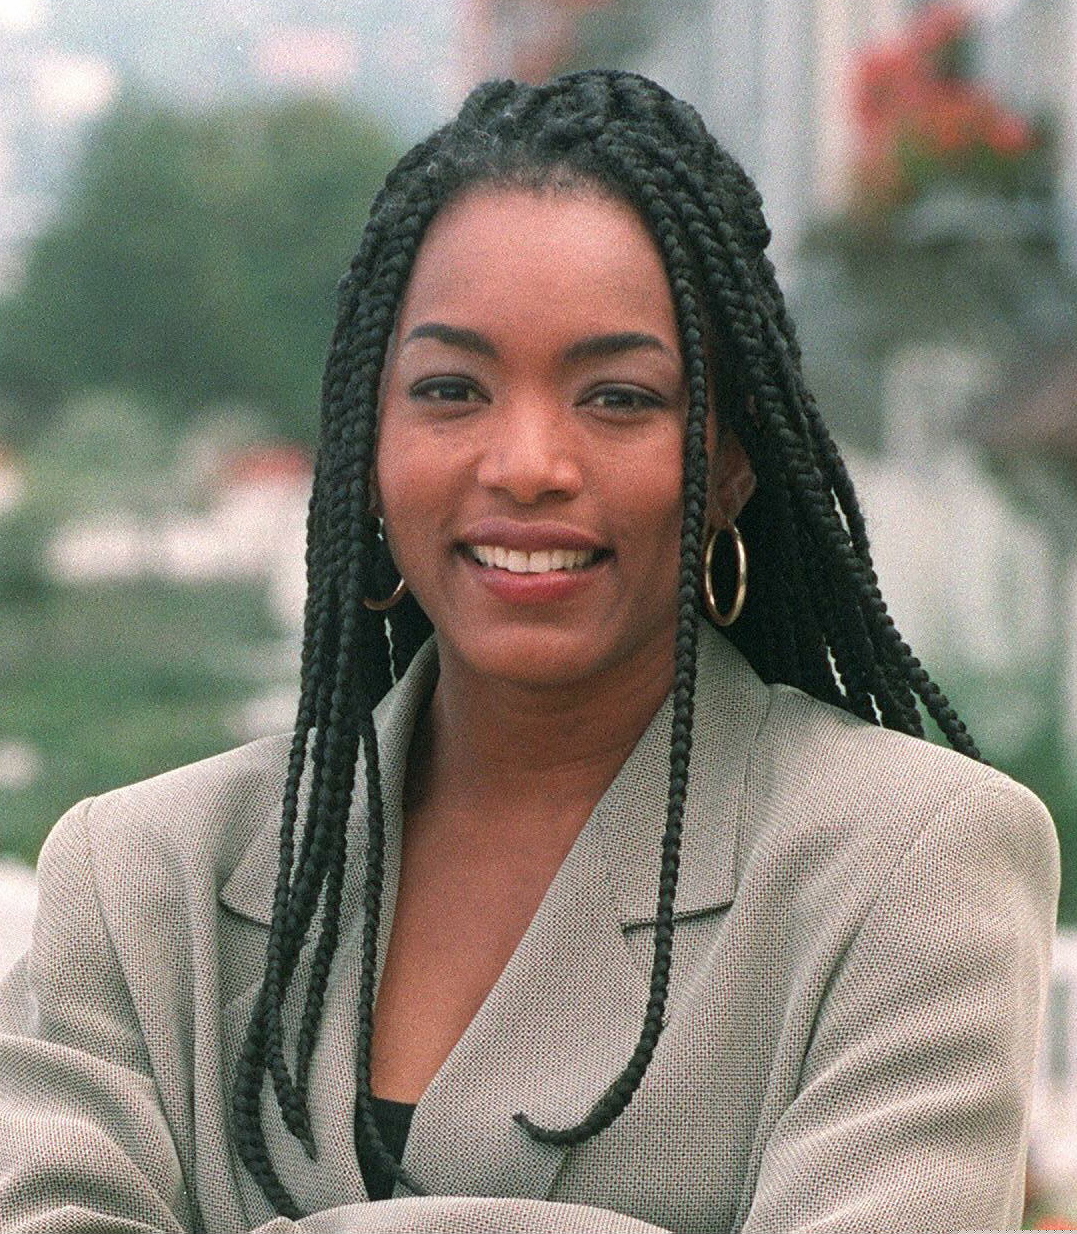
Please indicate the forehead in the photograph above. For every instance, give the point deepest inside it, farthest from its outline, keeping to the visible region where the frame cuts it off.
(584, 256)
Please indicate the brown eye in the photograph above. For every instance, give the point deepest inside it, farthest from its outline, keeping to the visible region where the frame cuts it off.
(624, 399)
(447, 390)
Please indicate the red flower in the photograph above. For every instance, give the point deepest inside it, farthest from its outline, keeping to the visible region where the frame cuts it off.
(1011, 135)
(918, 115)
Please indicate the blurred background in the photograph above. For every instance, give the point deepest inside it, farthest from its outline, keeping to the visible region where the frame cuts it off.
(181, 185)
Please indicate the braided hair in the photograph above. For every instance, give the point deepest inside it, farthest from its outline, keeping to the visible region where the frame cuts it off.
(814, 619)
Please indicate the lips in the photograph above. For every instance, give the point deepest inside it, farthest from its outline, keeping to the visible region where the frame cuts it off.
(541, 561)
(530, 548)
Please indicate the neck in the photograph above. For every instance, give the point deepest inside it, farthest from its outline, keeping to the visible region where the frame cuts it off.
(487, 741)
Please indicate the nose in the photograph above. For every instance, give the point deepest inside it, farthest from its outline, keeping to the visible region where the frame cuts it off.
(530, 453)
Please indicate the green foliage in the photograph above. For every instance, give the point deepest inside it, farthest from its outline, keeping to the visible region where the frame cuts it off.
(111, 682)
(116, 683)
(100, 454)
(196, 262)
(1046, 769)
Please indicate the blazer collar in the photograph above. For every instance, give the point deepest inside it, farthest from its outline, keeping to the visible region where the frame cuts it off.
(730, 704)
(248, 890)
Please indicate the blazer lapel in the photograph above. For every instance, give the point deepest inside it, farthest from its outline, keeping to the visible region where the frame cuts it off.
(334, 1178)
(552, 1034)
(730, 705)
(565, 1015)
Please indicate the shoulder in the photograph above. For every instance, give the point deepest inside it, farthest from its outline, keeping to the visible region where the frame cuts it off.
(821, 754)
(794, 761)
(813, 792)
(861, 797)
(191, 825)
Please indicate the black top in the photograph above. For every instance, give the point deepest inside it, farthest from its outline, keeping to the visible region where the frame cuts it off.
(393, 1120)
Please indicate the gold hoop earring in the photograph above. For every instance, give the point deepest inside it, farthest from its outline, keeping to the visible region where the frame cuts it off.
(740, 592)
(383, 606)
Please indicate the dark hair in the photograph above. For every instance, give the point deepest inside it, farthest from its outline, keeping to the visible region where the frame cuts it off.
(814, 617)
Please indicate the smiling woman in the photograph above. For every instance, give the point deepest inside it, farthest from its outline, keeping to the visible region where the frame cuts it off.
(536, 403)
(560, 910)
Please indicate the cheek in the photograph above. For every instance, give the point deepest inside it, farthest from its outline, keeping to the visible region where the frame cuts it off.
(389, 483)
(659, 495)
(417, 491)
(402, 467)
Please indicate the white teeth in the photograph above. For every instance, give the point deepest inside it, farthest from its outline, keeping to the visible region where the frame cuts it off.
(540, 562)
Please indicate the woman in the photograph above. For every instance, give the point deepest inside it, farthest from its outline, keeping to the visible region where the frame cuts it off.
(653, 927)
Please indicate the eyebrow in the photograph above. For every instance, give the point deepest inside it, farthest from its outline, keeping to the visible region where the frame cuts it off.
(600, 345)
(454, 336)
(591, 348)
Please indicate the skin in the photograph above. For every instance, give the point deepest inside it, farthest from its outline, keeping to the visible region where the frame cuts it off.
(533, 398)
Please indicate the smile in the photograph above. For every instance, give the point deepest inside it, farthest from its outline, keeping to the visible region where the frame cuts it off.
(517, 561)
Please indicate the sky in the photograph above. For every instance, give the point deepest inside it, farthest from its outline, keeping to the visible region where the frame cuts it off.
(402, 52)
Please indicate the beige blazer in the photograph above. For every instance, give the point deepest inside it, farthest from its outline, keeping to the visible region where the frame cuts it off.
(859, 970)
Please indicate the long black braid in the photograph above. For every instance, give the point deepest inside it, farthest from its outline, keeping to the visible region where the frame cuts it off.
(814, 618)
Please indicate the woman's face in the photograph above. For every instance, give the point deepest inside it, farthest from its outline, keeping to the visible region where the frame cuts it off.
(531, 425)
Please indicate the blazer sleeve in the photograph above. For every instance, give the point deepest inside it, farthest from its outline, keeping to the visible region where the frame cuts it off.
(84, 1144)
(463, 1215)
(912, 1109)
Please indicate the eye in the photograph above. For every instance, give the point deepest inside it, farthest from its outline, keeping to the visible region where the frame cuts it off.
(447, 390)
(624, 399)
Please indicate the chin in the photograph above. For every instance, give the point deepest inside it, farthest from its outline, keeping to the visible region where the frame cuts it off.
(536, 665)
(550, 659)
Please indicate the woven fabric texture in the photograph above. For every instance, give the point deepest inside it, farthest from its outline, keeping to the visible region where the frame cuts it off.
(864, 922)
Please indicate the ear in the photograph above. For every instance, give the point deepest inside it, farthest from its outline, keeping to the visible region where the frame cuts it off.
(373, 496)
(732, 480)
